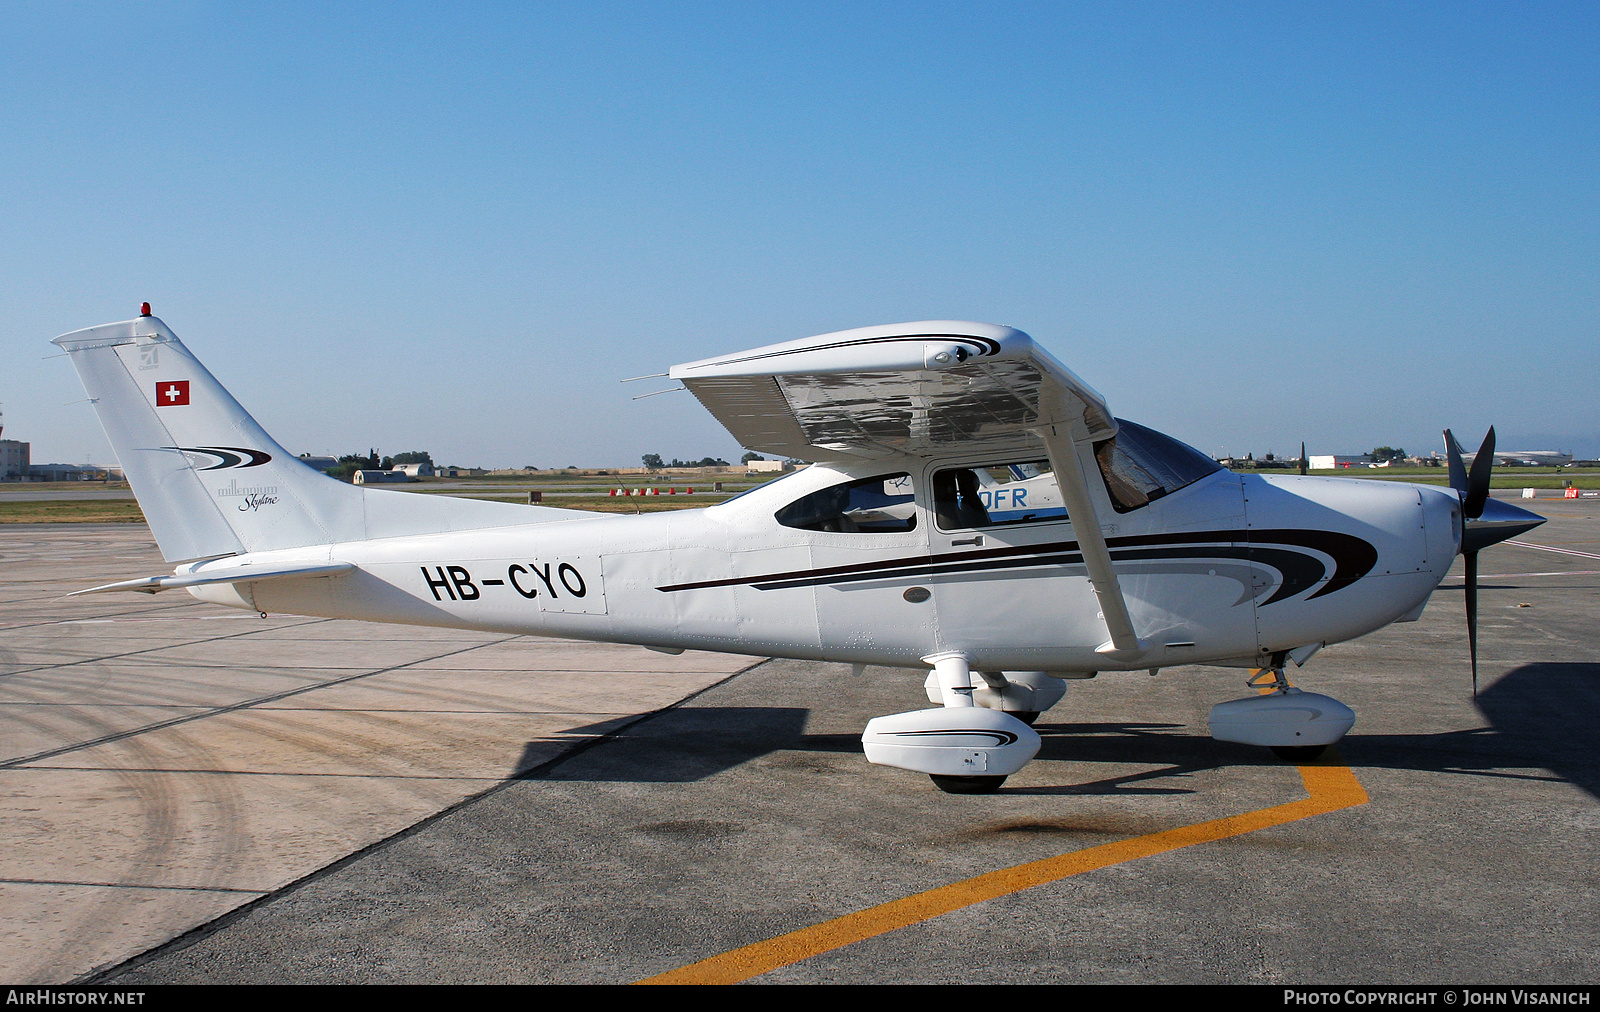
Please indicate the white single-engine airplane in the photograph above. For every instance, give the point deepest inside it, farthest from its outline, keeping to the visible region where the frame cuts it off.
(974, 509)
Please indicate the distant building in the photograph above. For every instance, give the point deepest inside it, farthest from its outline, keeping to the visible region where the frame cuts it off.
(1329, 461)
(380, 477)
(423, 470)
(73, 472)
(765, 465)
(14, 460)
(323, 464)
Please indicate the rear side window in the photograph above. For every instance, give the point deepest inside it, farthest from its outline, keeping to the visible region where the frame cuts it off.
(880, 505)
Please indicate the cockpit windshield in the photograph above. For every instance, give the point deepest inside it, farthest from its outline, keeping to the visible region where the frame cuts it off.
(1140, 465)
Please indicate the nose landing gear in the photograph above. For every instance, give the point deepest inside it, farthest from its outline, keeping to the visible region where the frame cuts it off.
(1295, 724)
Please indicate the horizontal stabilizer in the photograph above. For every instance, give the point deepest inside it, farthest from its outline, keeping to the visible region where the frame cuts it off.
(232, 574)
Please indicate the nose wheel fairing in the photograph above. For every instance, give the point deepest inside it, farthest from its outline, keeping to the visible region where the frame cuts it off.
(1286, 718)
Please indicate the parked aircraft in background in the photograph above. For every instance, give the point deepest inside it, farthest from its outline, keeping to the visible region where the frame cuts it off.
(974, 509)
(1527, 458)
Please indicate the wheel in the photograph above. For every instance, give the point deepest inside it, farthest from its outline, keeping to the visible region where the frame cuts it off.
(966, 785)
(1026, 716)
(1297, 753)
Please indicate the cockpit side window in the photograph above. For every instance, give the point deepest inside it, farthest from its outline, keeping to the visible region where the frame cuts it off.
(879, 505)
(1140, 465)
(996, 495)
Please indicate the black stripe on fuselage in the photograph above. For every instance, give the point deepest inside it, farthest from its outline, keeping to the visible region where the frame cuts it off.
(1353, 559)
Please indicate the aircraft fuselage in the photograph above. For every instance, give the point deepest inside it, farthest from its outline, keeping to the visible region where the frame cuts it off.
(1226, 570)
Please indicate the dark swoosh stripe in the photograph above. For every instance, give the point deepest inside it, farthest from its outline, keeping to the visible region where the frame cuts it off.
(1298, 569)
(927, 567)
(985, 345)
(228, 456)
(1353, 559)
(227, 459)
(1000, 737)
(257, 457)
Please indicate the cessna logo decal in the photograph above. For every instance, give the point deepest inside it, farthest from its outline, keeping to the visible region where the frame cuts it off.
(227, 456)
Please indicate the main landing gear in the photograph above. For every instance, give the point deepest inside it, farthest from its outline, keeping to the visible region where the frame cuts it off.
(978, 738)
(1297, 725)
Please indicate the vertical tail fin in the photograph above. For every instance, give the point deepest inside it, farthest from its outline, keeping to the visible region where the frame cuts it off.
(211, 481)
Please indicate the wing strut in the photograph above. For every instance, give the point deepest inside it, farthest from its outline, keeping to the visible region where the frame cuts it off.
(1072, 479)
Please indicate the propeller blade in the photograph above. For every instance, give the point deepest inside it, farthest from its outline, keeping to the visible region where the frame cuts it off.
(1478, 478)
(1303, 461)
(1472, 616)
(1458, 470)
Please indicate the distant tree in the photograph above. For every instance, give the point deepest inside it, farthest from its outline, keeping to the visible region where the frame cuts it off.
(572, 467)
(350, 463)
(1388, 453)
(414, 457)
(749, 456)
(529, 467)
(653, 461)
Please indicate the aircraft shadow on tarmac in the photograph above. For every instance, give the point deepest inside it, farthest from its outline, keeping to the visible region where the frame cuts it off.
(1540, 716)
(1543, 715)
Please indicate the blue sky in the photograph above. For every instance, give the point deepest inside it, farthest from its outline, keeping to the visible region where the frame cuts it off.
(455, 227)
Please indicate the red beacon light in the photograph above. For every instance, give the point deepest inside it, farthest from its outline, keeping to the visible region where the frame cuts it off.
(144, 309)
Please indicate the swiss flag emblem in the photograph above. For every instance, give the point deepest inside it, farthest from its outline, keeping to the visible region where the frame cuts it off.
(172, 392)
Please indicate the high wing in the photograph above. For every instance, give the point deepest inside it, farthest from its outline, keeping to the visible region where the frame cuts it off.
(924, 389)
(920, 389)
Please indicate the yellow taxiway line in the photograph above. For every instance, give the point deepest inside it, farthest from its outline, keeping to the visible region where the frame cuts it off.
(1329, 789)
